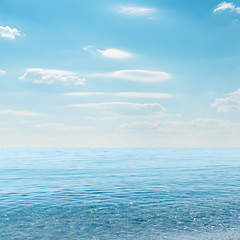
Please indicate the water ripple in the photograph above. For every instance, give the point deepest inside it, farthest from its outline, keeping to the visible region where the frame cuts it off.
(119, 193)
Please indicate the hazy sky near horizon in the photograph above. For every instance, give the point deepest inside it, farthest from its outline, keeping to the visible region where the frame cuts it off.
(129, 73)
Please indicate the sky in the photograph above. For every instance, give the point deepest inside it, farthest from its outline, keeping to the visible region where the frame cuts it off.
(119, 73)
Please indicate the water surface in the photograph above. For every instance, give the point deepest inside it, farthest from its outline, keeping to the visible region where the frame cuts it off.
(119, 194)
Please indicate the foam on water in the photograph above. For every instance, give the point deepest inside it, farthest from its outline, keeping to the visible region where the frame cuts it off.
(119, 193)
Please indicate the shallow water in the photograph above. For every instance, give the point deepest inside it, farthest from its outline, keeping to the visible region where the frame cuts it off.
(119, 194)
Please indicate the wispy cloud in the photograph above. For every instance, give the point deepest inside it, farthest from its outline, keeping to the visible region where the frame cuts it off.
(21, 113)
(121, 94)
(169, 126)
(136, 75)
(136, 10)
(86, 48)
(115, 53)
(124, 108)
(83, 94)
(8, 129)
(231, 102)
(143, 95)
(112, 53)
(2, 72)
(61, 127)
(237, 9)
(39, 75)
(227, 6)
(10, 33)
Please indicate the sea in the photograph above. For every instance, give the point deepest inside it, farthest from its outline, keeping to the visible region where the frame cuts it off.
(119, 193)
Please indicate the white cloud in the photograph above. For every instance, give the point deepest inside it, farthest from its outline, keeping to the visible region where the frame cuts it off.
(83, 94)
(112, 53)
(226, 6)
(61, 127)
(136, 10)
(115, 53)
(2, 72)
(159, 127)
(21, 113)
(151, 127)
(121, 94)
(229, 103)
(237, 9)
(124, 108)
(7, 129)
(195, 133)
(39, 75)
(217, 124)
(10, 33)
(136, 75)
(86, 48)
(143, 95)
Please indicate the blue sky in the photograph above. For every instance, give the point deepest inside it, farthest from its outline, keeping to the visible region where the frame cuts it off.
(156, 73)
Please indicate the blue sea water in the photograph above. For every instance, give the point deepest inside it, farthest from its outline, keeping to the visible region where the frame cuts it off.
(119, 194)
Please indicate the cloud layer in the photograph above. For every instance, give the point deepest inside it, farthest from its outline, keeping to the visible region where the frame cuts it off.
(61, 127)
(160, 127)
(223, 6)
(231, 102)
(136, 75)
(122, 94)
(21, 113)
(114, 53)
(143, 95)
(124, 108)
(2, 72)
(136, 10)
(10, 33)
(7, 129)
(39, 75)
(84, 94)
